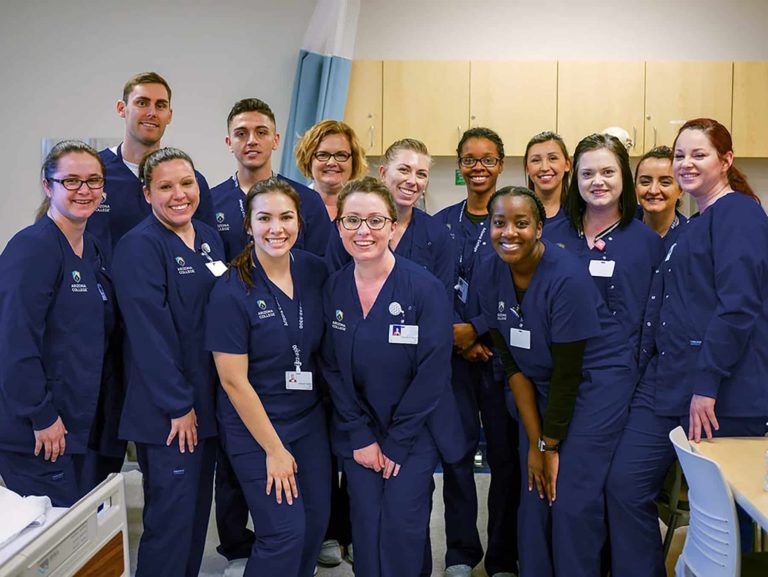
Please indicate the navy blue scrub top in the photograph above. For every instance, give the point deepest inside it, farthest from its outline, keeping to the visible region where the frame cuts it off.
(426, 242)
(52, 336)
(671, 236)
(706, 326)
(562, 305)
(124, 205)
(242, 321)
(162, 289)
(387, 392)
(636, 251)
(229, 208)
(470, 242)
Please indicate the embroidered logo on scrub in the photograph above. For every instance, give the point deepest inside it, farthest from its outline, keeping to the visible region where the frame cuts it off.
(337, 324)
(103, 206)
(221, 226)
(77, 286)
(501, 315)
(264, 313)
(182, 266)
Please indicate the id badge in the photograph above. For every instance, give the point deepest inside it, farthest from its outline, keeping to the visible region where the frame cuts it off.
(602, 268)
(520, 338)
(462, 288)
(217, 267)
(404, 334)
(298, 380)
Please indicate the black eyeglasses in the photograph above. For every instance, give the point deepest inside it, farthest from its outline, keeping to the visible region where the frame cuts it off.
(486, 161)
(375, 222)
(340, 156)
(94, 183)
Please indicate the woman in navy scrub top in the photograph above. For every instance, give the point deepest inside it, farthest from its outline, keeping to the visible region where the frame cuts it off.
(703, 347)
(418, 236)
(265, 325)
(164, 270)
(659, 194)
(572, 374)
(56, 316)
(478, 380)
(548, 166)
(620, 252)
(388, 366)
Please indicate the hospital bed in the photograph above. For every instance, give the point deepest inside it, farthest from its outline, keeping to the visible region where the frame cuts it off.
(89, 539)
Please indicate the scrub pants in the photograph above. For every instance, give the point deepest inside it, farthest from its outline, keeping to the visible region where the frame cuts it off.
(26, 474)
(477, 392)
(566, 540)
(287, 537)
(390, 518)
(235, 539)
(636, 476)
(178, 488)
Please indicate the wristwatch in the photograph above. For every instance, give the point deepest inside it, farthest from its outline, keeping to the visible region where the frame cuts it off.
(544, 448)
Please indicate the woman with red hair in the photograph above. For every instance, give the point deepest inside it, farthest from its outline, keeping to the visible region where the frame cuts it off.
(703, 356)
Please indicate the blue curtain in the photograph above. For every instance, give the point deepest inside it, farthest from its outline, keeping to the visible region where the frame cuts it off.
(319, 93)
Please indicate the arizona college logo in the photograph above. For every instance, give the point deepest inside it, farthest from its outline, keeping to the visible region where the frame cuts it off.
(76, 276)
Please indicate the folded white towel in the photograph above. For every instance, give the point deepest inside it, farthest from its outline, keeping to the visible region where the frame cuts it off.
(19, 513)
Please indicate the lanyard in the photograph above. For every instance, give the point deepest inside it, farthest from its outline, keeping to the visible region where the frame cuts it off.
(477, 242)
(292, 335)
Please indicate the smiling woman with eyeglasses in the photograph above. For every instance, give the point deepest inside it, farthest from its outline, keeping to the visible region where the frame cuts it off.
(330, 154)
(476, 382)
(387, 362)
(56, 319)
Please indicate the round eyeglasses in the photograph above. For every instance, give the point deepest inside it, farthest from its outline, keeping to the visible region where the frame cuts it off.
(375, 222)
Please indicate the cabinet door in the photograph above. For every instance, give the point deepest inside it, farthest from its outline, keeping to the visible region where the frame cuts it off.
(593, 96)
(363, 111)
(428, 100)
(516, 99)
(750, 109)
(678, 91)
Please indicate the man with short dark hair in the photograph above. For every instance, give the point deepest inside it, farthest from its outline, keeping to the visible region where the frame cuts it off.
(146, 108)
(252, 137)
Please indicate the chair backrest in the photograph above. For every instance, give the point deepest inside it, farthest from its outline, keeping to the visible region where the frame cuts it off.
(712, 545)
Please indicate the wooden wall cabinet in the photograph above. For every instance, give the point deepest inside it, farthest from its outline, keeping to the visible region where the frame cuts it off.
(593, 96)
(750, 109)
(428, 100)
(679, 91)
(364, 107)
(516, 99)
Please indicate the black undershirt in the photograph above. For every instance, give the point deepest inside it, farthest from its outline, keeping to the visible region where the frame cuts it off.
(567, 361)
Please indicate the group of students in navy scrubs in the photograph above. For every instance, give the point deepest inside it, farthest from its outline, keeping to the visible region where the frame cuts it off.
(213, 328)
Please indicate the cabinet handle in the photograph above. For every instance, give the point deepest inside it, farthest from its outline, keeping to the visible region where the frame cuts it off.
(654, 137)
(458, 132)
(371, 131)
(634, 137)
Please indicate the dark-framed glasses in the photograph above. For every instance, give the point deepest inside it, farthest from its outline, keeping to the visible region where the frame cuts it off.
(340, 156)
(70, 183)
(486, 161)
(375, 222)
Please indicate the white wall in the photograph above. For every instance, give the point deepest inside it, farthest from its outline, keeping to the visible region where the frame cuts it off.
(64, 63)
(561, 30)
